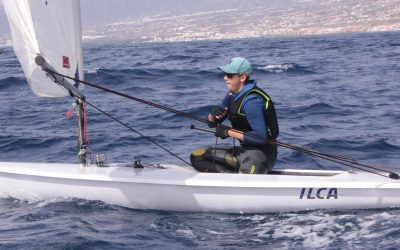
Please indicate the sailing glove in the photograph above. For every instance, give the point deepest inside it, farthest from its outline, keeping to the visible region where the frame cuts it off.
(221, 132)
(219, 114)
(218, 111)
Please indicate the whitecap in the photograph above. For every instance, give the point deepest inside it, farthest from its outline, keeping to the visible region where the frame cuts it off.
(185, 232)
(91, 71)
(93, 37)
(278, 68)
(5, 43)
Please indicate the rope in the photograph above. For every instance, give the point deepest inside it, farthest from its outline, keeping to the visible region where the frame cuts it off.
(350, 162)
(137, 132)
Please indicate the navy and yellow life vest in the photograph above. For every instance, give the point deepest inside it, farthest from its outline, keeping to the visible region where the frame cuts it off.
(238, 118)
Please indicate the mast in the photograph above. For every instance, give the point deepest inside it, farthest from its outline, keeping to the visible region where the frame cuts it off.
(82, 140)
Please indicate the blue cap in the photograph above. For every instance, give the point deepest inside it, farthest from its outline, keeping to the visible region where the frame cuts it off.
(237, 65)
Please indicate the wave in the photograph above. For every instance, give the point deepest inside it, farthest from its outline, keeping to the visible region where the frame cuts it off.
(92, 71)
(150, 75)
(200, 112)
(301, 230)
(372, 153)
(93, 37)
(311, 127)
(375, 148)
(19, 143)
(177, 57)
(5, 43)
(277, 68)
(285, 67)
(130, 72)
(381, 145)
(320, 108)
(10, 83)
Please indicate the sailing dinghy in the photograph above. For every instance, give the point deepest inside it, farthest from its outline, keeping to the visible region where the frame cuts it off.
(47, 41)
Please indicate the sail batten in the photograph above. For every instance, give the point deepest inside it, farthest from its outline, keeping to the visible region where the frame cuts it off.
(51, 28)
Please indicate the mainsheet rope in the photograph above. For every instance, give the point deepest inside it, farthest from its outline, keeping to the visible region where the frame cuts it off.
(350, 162)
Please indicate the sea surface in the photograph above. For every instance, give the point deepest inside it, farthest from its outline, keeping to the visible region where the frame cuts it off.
(335, 93)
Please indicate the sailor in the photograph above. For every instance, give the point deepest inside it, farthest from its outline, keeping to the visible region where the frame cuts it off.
(252, 115)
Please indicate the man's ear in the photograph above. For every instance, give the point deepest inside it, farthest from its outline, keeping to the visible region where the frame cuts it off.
(243, 78)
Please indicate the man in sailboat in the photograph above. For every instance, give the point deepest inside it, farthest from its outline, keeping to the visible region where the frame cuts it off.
(252, 115)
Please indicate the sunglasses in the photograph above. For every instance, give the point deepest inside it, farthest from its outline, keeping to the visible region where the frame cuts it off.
(231, 75)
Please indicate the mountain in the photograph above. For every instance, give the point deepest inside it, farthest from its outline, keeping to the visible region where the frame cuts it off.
(106, 11)
(256, 19)
(184, 20)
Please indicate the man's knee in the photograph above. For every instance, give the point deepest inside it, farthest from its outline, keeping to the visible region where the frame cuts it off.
(213, 160)
(254, 162)
(198, 161)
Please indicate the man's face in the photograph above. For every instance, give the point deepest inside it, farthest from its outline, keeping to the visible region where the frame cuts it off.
(234, 82)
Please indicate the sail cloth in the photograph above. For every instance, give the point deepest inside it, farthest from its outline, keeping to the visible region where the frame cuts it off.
(51, 28)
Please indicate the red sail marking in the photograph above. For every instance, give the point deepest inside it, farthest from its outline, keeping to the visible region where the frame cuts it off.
(66, 62)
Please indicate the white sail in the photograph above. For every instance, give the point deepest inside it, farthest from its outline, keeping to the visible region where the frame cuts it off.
(51, 28)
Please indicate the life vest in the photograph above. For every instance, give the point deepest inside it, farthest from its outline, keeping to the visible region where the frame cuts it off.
(238, 118)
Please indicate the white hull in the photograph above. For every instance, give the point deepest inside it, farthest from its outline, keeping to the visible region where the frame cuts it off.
(181, 189)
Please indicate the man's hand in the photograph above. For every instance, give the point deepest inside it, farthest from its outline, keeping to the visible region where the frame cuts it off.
(221, 132)
(219, 113)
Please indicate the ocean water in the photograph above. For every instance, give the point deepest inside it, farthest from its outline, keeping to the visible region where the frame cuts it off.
(335, 93)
